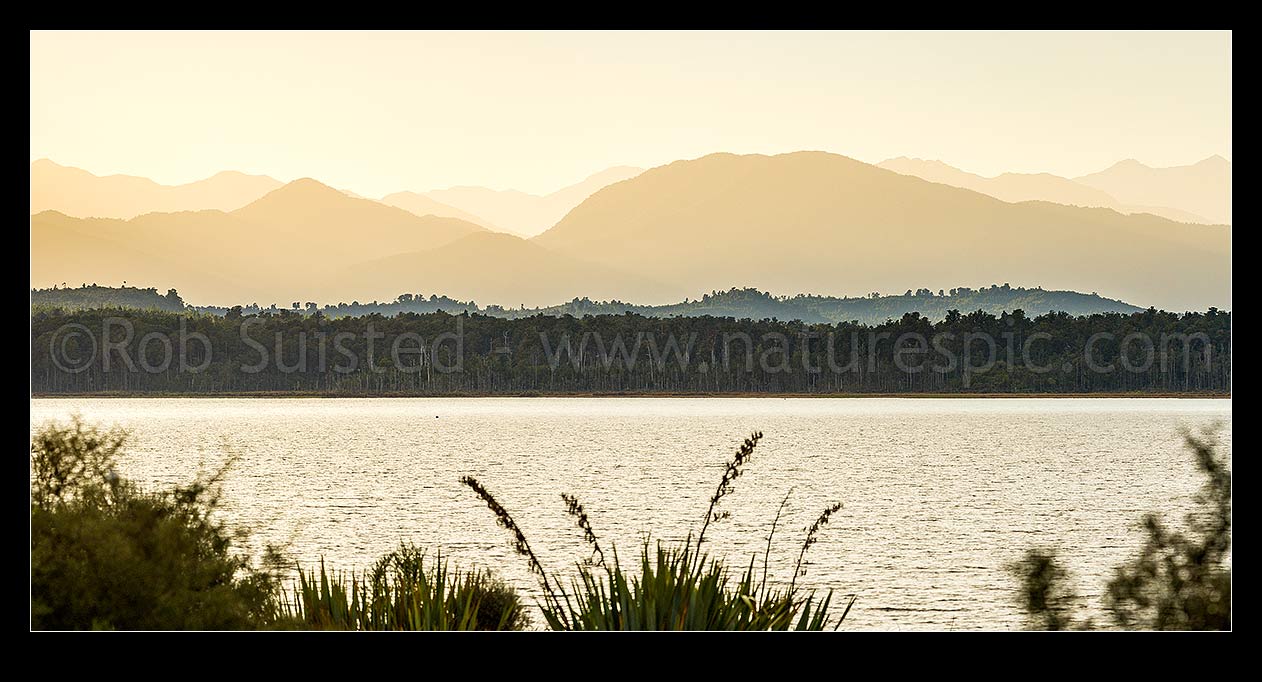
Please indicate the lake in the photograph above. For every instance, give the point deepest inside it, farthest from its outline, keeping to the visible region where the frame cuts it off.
(939, 494)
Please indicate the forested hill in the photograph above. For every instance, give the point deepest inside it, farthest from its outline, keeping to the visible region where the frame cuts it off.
(871, 309)
(757, 305)
(93, 296)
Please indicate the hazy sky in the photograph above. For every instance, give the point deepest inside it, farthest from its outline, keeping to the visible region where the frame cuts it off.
(382, 112)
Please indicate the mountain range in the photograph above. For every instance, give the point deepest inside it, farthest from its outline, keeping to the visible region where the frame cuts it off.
(285, 244)
(78, 193)
(1204, 188)
(81, 194)
(517, 212)
(1199, 193)
(804, 221)
(815, 221)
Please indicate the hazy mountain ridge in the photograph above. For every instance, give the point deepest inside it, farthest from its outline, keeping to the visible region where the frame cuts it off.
(806, 221)
(419, 204)
(67, 251)
(82, 194)
(526, 214)
(815, 221)
(79, 193)
(1017, 187)
(280, 247)
(491, 266)
(1203, 188)
(1010, 187)
(309, 209)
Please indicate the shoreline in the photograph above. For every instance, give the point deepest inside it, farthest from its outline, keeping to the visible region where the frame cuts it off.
(318, 394)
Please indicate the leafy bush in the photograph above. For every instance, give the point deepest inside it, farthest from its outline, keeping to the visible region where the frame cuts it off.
(1045, 594)
(1178, 581)
(106, 554)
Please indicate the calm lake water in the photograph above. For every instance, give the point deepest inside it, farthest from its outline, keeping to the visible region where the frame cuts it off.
(939, 494)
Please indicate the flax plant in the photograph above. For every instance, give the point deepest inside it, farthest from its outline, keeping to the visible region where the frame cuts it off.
(405, 592)
(676, 588)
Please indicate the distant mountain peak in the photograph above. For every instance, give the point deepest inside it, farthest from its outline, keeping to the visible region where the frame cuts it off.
(234, 174)
(308, 187)
(524, 213)
(812, 220)
(78, 192)
(308, 182)
(1199, 189)
(1136, 164)
(1127, 165)
(916, 159)
(310, 197)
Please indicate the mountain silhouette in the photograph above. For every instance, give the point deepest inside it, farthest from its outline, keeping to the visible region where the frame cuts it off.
(325, 220)
(76, 192)
(490, 268)
(1011, 187)
(109, 251)
(815, 221)
(419, 204)
(805, 221)
(1015, 187)
(528, 214)
(1203, 188)
(280, 246)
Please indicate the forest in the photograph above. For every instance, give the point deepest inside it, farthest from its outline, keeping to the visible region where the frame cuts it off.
(94, 296)
(872, 309)
(153, 351)
(740, 303)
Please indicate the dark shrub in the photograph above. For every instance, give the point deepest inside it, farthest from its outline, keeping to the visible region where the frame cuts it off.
(107, 555)
(1178, 581)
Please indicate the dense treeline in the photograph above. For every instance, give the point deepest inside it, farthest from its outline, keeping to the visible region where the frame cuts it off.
(106, 350)
(93, 296)
(871, 309)
(749, 303)
(404, 303)
(738, 303)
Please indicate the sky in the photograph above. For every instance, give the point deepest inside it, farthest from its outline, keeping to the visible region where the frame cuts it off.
(380, 112)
